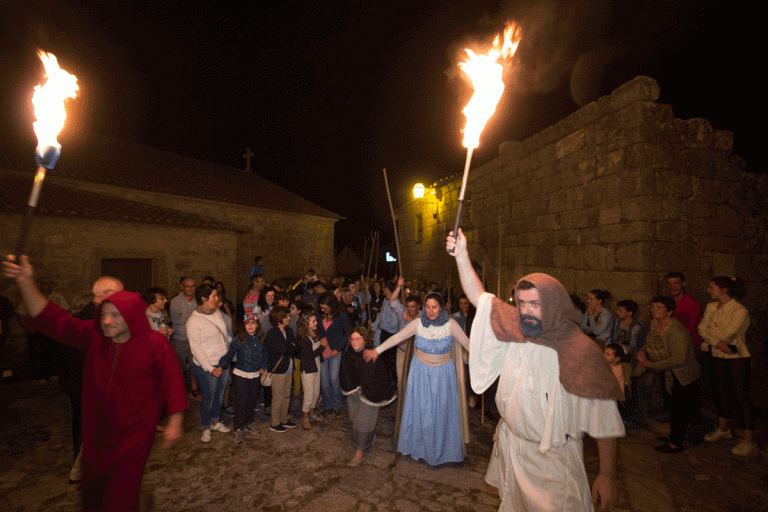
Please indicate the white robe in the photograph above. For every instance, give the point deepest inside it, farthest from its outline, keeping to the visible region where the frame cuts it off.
(537, 462)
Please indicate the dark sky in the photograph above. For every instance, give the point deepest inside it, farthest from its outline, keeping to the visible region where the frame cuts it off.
(326, 93)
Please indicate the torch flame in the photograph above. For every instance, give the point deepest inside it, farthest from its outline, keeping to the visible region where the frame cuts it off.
(486, 76)
(48, 101)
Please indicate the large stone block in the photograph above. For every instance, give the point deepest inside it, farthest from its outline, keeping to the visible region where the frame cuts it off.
(585, 116)
(566, 237)
(710, 191)
(727, 222)
(587, 170)
(601, 189)
(630, 285)
(695, 132)
(560, 256)
(670, 183)
(649, 208)
(548, 222)
(593, 216)
(631, 256)
(610, 163)
(672, 231)
(641, 88)
(722, 264)
(571, 143)
(557, 201)
(752, 267)
(637, 182)
(627, 233)
(610, 215)
(657, 156)
(722, 141)
(540, 256)
(573, 219)
(588, 236)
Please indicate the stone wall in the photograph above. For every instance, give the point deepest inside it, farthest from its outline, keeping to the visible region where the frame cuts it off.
(613, 197)
(290, 243)
(71, 250)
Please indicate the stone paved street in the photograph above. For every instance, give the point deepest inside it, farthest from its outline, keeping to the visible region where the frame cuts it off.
(307, 470)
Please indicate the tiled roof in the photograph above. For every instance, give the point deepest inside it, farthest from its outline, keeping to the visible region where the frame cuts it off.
(101, 159)
(61, 201)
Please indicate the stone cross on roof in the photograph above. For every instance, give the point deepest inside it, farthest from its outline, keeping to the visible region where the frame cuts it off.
(248, 154)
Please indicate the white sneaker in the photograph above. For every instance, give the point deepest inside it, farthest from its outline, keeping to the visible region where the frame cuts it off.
(744, 449)
(220, 427)
(206, 437)
(717, 435)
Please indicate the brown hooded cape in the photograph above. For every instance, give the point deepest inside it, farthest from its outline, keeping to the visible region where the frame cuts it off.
(583, 369)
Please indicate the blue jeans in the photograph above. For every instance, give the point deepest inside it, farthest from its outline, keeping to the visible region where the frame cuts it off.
(212, 389)
(329, 383)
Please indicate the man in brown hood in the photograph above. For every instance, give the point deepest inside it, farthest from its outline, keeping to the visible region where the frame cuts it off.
(554, 386)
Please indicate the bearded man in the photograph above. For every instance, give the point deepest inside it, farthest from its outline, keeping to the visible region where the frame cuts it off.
(554, 386)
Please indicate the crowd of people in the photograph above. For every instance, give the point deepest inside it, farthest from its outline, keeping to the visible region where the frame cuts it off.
(367, 342)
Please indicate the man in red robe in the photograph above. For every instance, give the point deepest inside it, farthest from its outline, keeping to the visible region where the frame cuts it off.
(130, 372)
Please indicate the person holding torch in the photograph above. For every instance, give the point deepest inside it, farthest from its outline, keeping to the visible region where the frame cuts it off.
(554, 386)
(130, 372)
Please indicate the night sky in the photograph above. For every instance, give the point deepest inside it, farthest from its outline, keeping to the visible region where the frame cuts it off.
(327, 93)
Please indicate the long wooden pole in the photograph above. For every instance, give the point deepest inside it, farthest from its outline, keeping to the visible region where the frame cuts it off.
(498, 265)
(394, 224)
(376, 260)
(462, 191)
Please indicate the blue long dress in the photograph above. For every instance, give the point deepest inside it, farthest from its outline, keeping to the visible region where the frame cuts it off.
(430, 428)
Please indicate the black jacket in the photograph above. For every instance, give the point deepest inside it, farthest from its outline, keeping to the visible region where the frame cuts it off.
(279, 345)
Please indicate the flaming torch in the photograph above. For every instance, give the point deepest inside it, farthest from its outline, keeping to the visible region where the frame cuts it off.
(485, 73)
(50, 113)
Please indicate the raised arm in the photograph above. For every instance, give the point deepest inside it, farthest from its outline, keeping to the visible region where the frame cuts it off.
(23, 275)
(473, 288)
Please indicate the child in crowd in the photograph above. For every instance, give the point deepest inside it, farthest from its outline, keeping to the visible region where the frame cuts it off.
(367, 387)
(628, 332)
(310, 350)
(614, 355)
(258, 268)
(251, 363)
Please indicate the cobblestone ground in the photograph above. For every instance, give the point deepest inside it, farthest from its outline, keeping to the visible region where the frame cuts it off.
(307, 470)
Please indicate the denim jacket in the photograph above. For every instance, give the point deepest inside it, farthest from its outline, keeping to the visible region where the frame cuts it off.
(251, 356)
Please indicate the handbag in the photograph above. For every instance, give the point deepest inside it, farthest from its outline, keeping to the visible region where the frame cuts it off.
(266, 379)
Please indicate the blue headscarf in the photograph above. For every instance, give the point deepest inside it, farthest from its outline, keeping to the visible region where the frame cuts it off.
(441, 319)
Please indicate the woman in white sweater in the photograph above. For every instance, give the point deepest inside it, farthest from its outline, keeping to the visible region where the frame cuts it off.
(722, 330)
(208, 341)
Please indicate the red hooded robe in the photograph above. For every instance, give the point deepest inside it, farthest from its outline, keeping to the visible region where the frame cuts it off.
(125, 386)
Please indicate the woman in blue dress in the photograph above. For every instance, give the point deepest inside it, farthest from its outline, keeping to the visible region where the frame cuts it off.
(433, 425)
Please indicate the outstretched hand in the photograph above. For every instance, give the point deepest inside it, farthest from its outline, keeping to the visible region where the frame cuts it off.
(457, 245)
(370, 355)
(14, 270)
